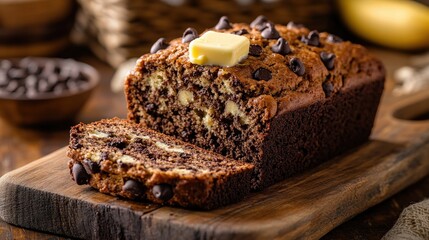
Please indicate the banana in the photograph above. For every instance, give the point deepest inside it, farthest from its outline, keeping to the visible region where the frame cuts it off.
(400, 24)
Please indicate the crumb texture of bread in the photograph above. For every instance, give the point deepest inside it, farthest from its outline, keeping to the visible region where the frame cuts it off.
(125, 159)
(284, 109)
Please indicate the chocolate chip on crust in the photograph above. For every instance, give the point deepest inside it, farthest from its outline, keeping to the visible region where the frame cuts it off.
(223, 23)
(262, 74)
(270, 31)
(133, 187)
(292, 25)
(333, 39)
(312, 39)
(80, 176)
(259, 22)
(281, 47)
(297, 66)
(328, 88)
(328, 60)
(163, 191)
(159, 45)
(91, 167)
(189, 35)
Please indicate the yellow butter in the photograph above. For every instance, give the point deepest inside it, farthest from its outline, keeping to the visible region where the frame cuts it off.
(215, 48)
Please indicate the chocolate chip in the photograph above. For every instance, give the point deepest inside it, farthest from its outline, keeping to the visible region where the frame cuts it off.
(327, 88)
(91, 167)
(185, 155)
(118, 143)
(83, 77)
(296, 66)
(79, 174)
(269, 31)
(281, 47)
(133, 187)
(255, 50)
(48, 69)
(3, 79)
(262, 74)
(151, 156)
(52, 79)
(12, 86)
(163, 92)
(70, 71)
(43, 85)
(163, 191)
(19, 91)
(223, 23)
(124, 165)
(333, 39)
(31, 81)
(5, 64)
(57, 69)
(76, 145)
(59, 88)
(328, 60)
(189, 35)
(33, 68)
(259, 22)
(312, 39)
(292, 25)
(16, 73)
(31, 92)
(159, 45)
(241, 32)
(30, 77)
(72, 86)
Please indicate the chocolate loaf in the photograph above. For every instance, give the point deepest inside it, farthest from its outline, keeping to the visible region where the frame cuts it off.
(298, 99)
(124, 159)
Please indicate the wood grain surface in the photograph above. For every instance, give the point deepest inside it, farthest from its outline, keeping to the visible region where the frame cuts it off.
(41, 195)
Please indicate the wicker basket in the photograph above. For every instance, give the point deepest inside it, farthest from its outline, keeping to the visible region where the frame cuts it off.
(117, 30)
(34, 27)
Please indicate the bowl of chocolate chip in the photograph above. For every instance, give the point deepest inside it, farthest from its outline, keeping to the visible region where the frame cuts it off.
(44, 91)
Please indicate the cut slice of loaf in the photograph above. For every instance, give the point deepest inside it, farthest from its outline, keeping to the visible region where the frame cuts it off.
(125, 159)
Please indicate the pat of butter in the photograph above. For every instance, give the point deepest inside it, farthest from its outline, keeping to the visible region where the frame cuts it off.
(215, 48)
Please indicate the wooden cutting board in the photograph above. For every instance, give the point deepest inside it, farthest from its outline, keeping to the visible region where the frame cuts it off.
(43, 197)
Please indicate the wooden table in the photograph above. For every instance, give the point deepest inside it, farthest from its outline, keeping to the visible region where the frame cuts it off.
(19, 146)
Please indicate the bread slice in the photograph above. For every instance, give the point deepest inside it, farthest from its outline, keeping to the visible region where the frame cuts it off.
(125, 159)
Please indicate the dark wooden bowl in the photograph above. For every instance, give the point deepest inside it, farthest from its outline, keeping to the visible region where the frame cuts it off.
(48, 108)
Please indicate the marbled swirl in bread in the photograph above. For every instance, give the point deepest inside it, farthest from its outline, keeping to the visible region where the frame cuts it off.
(124, 159)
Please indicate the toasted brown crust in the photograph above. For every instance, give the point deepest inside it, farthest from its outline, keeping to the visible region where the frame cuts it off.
(198, 178)
(352, 66)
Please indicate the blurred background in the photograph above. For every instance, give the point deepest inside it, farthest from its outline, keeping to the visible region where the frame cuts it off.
(116, 30)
